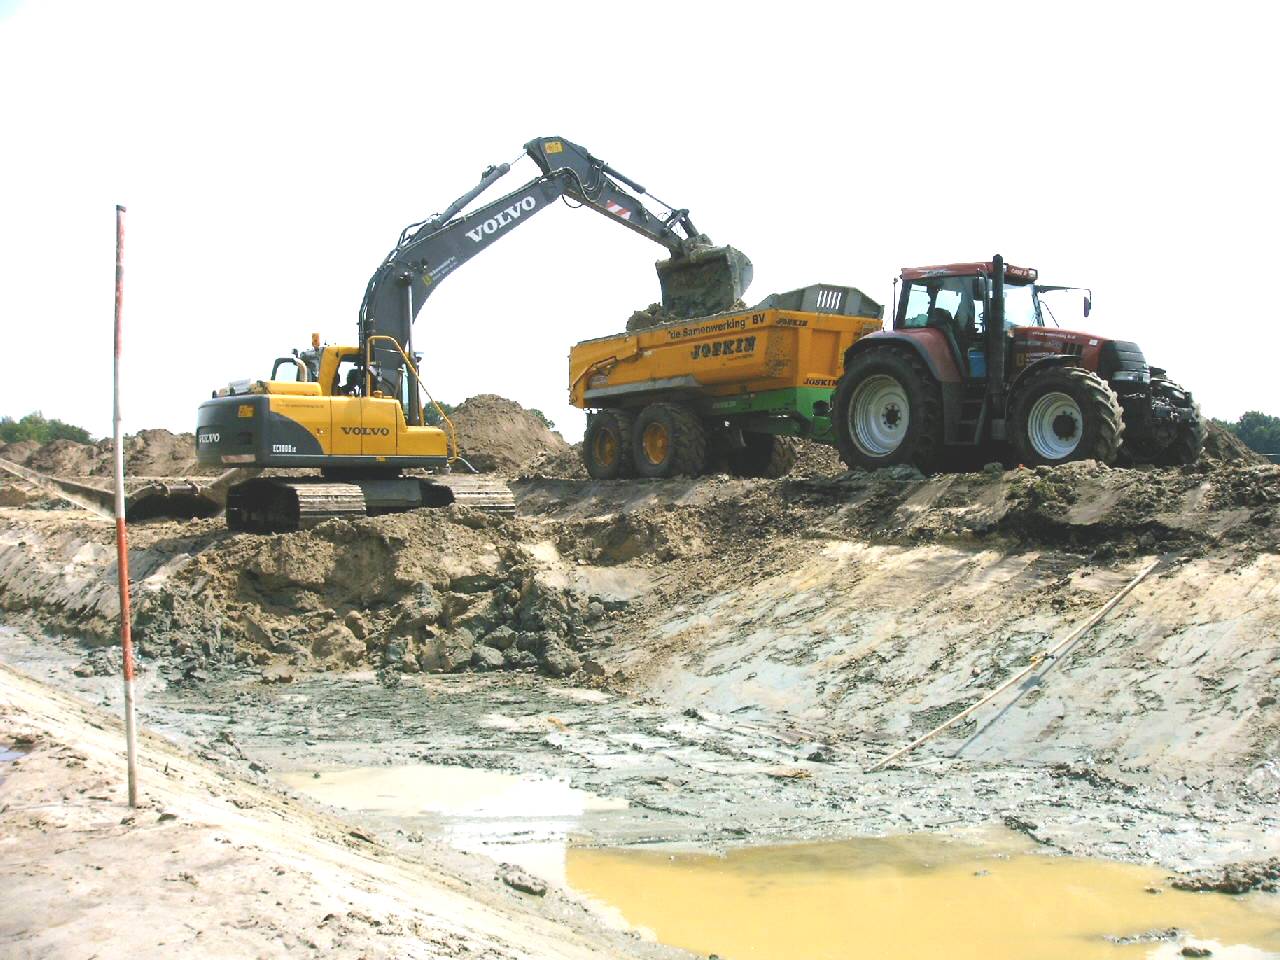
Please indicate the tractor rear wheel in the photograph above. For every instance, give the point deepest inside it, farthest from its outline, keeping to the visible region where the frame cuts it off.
(763, 455)
(606, 446)
(887, 410)
(1066, 413)
(668, 441)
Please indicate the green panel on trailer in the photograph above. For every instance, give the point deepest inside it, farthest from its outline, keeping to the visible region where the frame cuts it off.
(775, 411)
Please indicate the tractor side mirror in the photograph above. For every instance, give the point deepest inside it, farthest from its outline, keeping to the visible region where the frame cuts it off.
(1088, 304)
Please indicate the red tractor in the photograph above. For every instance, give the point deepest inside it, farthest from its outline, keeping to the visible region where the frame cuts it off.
(971, 365)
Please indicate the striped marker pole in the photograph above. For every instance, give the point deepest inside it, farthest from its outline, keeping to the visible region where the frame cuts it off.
(122, 539)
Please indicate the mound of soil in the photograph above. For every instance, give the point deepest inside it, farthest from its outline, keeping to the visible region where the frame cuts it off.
(497, 435)
(1222, 444)
(560, 464)
(817, 460)
(147, 453)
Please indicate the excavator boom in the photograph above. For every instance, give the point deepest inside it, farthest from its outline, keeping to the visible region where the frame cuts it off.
(697, 279)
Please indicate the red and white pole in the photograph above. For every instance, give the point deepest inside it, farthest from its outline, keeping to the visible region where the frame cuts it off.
(122, 538)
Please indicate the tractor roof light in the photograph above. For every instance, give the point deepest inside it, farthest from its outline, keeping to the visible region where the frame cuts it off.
(1012, 274)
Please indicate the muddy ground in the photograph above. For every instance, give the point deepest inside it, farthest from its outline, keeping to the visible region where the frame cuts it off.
(727, 655)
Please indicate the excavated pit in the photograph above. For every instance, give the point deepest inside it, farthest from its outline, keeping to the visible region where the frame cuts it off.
(719, 660)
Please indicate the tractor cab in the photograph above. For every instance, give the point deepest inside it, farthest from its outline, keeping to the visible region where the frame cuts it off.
(955, 300)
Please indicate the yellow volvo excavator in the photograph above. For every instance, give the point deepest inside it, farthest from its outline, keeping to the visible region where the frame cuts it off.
(356, 412)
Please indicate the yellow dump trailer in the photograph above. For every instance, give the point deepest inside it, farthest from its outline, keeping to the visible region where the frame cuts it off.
(720, 392)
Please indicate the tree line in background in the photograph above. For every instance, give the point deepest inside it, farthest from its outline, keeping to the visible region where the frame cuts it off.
(35, 427)
(1257, 431)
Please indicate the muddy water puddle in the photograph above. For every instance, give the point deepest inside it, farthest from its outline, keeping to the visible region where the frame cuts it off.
(987, 896)
(521, 819)
(917, 897)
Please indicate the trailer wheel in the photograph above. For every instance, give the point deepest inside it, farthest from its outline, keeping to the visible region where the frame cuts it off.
(1066, 413)
(606, 446)
(763, 455)
(668, 441)
(887, 410)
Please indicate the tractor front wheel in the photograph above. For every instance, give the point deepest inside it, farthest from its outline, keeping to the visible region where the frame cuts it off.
(668, 441)
(1066, 413)
(1188, 444)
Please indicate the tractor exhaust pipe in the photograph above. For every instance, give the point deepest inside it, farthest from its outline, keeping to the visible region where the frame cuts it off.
(996, 344)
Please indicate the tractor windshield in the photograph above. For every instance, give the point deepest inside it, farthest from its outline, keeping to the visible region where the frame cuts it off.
(1020, 307)
(959, 303)
(1060, 305)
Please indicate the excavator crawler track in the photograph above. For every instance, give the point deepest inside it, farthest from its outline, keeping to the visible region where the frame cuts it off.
(282, 505)
(491, 496)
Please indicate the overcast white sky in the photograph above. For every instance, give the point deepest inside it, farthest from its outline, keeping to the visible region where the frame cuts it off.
(269, 154)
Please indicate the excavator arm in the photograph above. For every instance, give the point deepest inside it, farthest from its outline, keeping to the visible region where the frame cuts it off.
(697, 279)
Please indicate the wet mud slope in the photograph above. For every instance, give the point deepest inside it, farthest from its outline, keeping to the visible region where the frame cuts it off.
(730, 656)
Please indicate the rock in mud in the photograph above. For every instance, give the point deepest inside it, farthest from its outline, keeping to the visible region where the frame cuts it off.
(338, 643)
(517, 879)
(1161, 935)
(502, 638)
(520, 659)
(355, 622)
(1235, 878)
(278, 673)
(559, 661)
(448, 653)
(487, 658)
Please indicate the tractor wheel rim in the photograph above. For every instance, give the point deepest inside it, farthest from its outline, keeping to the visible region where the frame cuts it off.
(879, 415)
(1055, 426)
(606, 448)
(656, 442)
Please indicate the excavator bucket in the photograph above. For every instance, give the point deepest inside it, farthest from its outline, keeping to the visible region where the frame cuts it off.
(708, 280)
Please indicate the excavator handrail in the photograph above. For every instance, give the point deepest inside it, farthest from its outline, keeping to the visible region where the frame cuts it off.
(452, 433)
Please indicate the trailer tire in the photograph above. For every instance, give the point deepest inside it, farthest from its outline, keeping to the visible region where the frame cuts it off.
(887, 410)
(606, 446)
(763, 455)
(668, 440)
(1063, 414)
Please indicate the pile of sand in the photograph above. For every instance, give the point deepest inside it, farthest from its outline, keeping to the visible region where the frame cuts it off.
(1222, 444)
(497, 435)
(148, 453)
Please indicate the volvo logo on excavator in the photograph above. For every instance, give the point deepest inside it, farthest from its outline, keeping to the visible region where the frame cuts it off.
(503, 217)
(367, 431)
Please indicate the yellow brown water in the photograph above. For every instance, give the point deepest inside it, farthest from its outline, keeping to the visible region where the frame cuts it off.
(914, 897)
